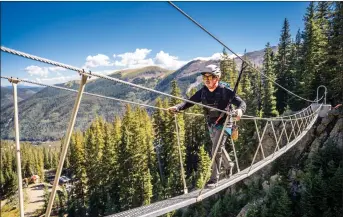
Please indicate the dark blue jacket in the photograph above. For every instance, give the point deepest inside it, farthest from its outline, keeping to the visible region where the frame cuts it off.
(219, 98)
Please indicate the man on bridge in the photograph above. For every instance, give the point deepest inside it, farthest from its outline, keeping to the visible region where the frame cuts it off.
(217, 95)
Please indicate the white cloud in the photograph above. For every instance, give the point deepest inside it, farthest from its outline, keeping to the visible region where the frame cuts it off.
(103, 72)
(56, 68)
(97, 60)
(138, 58)
(59, 79)
(106, 72)
(43, 71)
(36, 70)
(135, 59)
(165, 60)
(215, 56)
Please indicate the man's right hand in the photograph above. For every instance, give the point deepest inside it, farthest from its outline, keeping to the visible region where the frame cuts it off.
(173, 109)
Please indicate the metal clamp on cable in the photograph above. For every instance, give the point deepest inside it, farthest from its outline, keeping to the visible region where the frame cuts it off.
(14, 80)
(81, 73)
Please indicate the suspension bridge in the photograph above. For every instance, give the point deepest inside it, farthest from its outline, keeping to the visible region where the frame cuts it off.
(285, 131)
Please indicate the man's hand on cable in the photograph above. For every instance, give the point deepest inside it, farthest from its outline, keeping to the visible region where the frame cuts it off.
(173, 109)
(239, 114)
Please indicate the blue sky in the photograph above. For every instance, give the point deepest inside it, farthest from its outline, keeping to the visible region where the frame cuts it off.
(106, 36)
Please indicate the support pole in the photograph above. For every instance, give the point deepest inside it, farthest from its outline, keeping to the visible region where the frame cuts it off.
(185, 190)
(66, 143)
(16, 128)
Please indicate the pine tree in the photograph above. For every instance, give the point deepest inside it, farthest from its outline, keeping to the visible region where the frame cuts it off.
(335, 62)
(175, 184)
(314, 199)
(225, 67)
(135, 183)
(166, 138)
(79, 177)
(196, 134)
(312, 52)
(269, 100)
(159, 126)
(148, 155)
(203, 165)
(296, 70)
(46, 158)
(111, 165)
(248, 83)
(282, 67)
(107, 164)
(124, 155)
(93, 155)
(251, 82)
(277, 203)
(234, 78)
(257, 91)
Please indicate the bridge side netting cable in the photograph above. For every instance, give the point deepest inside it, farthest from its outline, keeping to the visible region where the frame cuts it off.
(167, 205)
(306, 115)
(244, 117)
(146, 105)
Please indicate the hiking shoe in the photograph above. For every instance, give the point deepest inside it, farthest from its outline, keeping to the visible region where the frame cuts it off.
(211, 184)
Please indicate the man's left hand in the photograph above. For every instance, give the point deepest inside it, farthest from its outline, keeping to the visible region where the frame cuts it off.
(239, 114)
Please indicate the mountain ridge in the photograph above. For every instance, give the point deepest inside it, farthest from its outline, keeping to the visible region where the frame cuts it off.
(45, 114)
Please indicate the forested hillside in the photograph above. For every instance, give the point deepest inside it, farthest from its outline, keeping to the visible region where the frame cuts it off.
(44, 116)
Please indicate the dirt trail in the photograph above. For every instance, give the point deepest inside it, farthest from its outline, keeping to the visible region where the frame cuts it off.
(35, 193)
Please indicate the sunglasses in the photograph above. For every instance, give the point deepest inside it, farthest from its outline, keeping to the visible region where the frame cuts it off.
(207, 77)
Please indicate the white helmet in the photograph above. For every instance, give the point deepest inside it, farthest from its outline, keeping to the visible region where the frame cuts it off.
(212, 69)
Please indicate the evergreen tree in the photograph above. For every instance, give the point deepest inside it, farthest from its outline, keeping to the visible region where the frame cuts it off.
(335, 61)
(297, 74)
(79, 177)
(282, 67)
(196, 134)
(46, 158)
(321, 193)
(159, 126)
(269, 100)
(93, 156)
(277, 203)
(257, 91)
(166, 137)
(135, 183)
(234, 78)
(111, 165)
(174, 183)
(312, 53)
(252, 94)
(248, 83)
(204, 163)
(225, 67)
(228, 69)
(124, 155)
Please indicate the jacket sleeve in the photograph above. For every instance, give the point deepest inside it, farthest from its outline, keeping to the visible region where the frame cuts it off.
(195, 98)
(237, 101)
